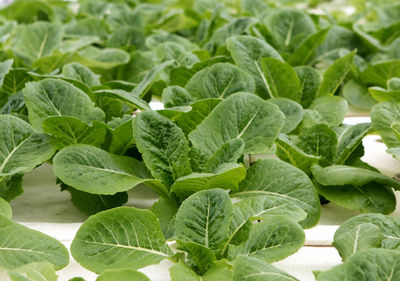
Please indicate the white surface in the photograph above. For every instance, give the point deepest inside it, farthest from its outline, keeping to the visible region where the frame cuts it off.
(43, 207)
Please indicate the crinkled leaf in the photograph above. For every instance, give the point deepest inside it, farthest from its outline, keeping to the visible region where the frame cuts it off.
(383, 115)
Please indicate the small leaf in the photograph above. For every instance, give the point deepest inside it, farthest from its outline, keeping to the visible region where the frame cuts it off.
(5, 209)
(309, 84)
(81, 73)
(293, 113)
(383, 115)
(120, 238)
(332, 109)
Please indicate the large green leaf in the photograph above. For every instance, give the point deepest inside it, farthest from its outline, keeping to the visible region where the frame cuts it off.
(383, 115)
(378, 74)
(163, 146)
(275, 177)
(219, 81)
(5, 209)
(53, 97)
(81, 73)
(271, 240)
(227, 176)
(21, 245)
(36, 40)
(246, 51)
(253, 269)
(93, 170)
(129, 98)
(242, 115)
(335, 74)
(21, 147)
(332, 109)
(367, 231)
(120, 238)
(204, 218)
(281, 80)
(37, 271)
(70, 130)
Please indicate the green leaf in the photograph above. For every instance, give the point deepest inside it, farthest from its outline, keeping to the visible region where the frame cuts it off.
(5, 68)
(349, 139)
(271, 240)
(219, 81)
(91, 204)
(93, 170)
(122, 136)
(319, 140)
(378, 74)
(173, 96)
(393, 84)
(37, 271)
(357, 95)
(383, 115)
(221, 271)
(53, 97)
(70, 130)
(163, 146)
(15, 80)
(248, 116)
(122, 274)
(166, 209)
(336, 273)
(102, 58)
(280, 79)
(335, 74)
(21, 245)
(306, 50)
(199, 257)
(253, 269)
(374, 231)
(126, 97)
(293, 113)
(5, 209)
(227, 176)
(37, 40)
(382, 95)
(174, 51)
(309, 84)
(204, 218)
(332, 109)
(149, 79)
(81, 73)
(21, 147)
(288, 27)
(275, 177)
(200, 109)
(11, 186)
(120, 238)
(229, 152)
(246, 51)
(289, 152)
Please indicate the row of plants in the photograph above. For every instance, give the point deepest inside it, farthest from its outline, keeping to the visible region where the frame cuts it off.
(236, 78)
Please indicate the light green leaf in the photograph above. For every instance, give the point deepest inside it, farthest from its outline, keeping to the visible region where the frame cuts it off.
(173, 96)
(124, 96)
(102, 58)
(166, 209)
(120, 238)
(181, 272)
(333, 109)
(357, 95)
(122, 274)
(393, 84)
(204, 218)
(219, 81)
(5, 68)
(15, 80)
(229, 152)
(246, 51)
(309, 83)
(306, 50)
(122, 136)
(93, 170)
(336, 273)
(21, 147)
(5, 209)
(335, 74)
(199, 257)
(275, 177)
(81, 73)
(11, 186)
(163, 146)
(249, 117)
(271, 240)
(54, 97)
(382, 95)
(70, 130)
(174, 51)
(37, 40)
(349, 139)
(253, 269)
(21, 245)
(227, 176)
(37, 271)
(383, 115)
(280, 79)
(293, 113)
(378, 74)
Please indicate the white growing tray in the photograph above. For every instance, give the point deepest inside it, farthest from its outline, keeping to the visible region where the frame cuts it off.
(43, 207)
